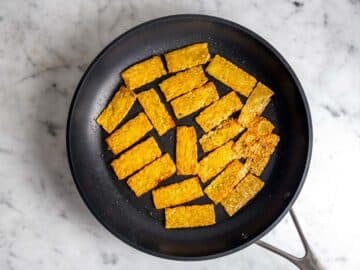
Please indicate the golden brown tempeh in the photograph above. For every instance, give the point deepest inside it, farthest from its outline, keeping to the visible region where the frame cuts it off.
(190, 216)
(143, 72)
(186, 150)
(116, 110)
(177, 193)
(231, 75)
(151, 175)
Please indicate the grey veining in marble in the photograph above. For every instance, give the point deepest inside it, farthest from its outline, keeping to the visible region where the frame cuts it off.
(45, 47)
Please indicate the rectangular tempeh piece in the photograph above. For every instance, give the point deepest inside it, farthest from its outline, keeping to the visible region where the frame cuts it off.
(186, 150)
(143, 72)
(150, 176)
(261, 151)
(183, 82)
(231, 75)
(117, 109)
(216, 161)
(177, 193)
(220, 110)
(136, 157)
(227, 130)
(190, 216)
(129, 133)
(156, 111)
(255, 104)
(224, 183)
(242, 194)
(194, 100)
(257, 128)
(187, 57)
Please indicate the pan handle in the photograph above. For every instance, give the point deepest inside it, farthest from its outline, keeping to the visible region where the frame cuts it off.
(308, 262)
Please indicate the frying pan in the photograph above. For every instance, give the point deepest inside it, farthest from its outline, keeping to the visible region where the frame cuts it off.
(135, 220)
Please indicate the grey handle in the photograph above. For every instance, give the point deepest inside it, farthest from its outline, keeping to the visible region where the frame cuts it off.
(308, 262)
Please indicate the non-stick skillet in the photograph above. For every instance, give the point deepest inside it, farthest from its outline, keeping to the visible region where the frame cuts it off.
(135, 220)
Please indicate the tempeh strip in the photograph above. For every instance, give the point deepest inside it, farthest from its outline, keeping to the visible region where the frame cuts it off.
(227, 130)
(186, 150)
(255, 104)
(151, 175)
(194, 100)
(135, 158)
(143, 72)
(183, 82)
(216, 161)
(156, 111)
(224, 183)
(117, 109)
(257, 128)
(220, 110)
(231, 75)
(242, 194)
(129, 133)
(187, 57)
(261, 152)
(177, 193)
(190, 216)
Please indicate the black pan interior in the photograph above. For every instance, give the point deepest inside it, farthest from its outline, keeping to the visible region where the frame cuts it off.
(135, 220)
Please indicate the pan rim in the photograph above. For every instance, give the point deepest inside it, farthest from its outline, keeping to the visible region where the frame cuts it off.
(264, 43)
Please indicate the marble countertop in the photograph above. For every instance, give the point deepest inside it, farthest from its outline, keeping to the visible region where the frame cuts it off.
(45, 47)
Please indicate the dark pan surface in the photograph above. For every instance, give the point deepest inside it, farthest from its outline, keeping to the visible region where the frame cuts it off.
(135, 220)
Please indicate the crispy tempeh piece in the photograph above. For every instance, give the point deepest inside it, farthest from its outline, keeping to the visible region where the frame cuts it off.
(129, 133)
(194, 100)
(261, 151)
(187, 57)
(136, 157)
(151, 175)
(186, 150)
(177, 193)
(255, 104)
(183, 82)
(216, 161)
(231, 75)
(117, 109)
(143, 72)
(257, 128)
(190, 216)
(227, 130)
(242, 194)
(156, 111)
(225, 182)
(220, 110)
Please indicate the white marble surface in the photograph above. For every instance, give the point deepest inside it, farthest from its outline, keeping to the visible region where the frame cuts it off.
(44, 49)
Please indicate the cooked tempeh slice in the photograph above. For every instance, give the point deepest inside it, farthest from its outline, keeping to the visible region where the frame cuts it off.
(156, 111)
(260, 152)
(187, 57)
(231, 75)
(143, 72)
(255, 104)
(183, 82)
(189, 216)
(220, 110)
(194, 100)
(117, 109)
(227, 130)
(135, 158)
(216, 161)
(177, 193)
(151, 175)
(242, 194)
(186, 150)
(129, 133)
(225, 182)
(257, 128)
